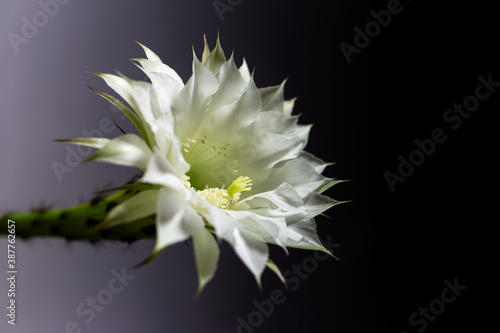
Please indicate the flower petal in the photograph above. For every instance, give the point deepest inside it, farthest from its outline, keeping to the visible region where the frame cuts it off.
(231, 85)
(273, 267)
(154, 64)
(271, 229)
(135, 93)
(318, 164)
(316, 203)
(206, 252)
(137, 207)
(273, 97)
(193, 100)
(296, 172)
(288, 106)
(252, 250)
(128, 149)
(249, 247)
(176, 220)
(150, 54)
(89, 142)
(216, 58)
(284, 202)
(160, 171)
(245, 72)
(229, 123)
(303, 235)
(129, 113)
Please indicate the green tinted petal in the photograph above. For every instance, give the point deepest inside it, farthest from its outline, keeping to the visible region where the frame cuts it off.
(206, 252)
(128, 150)
(89, 142)
(216, 58)
(139, 206)
(129, 113)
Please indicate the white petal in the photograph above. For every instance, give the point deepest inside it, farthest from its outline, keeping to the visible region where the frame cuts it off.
(316, 203)
(216, 58)
(139, 206)
(206, 252)
(271, 229)
(170, 146)
(231, 85)
(154, 64)
(229, 122)
(275, 148)
(149, 54)
(303, 235)
(252, 250)
(176, 220)
(193, 100)
(135, 93)
(165, 87)
(273, 97)
(151, 66)
(127, 112)
(249, 247)
(288, 106)
(284, 202)
(128, 150)
(160, 171)
(245, 72)
(296, 172)
(318, 164)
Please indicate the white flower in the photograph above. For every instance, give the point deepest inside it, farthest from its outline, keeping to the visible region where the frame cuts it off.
(223, 157)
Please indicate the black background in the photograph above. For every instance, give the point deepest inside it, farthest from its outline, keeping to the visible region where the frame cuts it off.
(398, 247)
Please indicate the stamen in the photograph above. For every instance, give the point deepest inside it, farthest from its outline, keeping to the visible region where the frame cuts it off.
(216, 196)
(221, 198)
(185, 179)
(239, 185)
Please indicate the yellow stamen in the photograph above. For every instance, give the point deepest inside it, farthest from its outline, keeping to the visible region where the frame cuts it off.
(239, 185)
(220, 197)
(185, 179)
(216, 196)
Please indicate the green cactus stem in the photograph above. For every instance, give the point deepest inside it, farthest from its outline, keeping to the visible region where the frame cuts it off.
(79, 222)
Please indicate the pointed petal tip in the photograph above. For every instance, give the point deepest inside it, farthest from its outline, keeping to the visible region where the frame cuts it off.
(201, 287)
(218, 38)
(137, 59)
(154, 253)
(259, 282)
(206, 50)
(328, 252)
(97, 74)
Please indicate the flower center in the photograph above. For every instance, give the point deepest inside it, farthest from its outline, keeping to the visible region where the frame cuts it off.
(211, 163)
(220, 197)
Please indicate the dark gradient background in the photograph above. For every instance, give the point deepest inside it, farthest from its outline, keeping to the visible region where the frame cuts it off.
(396, 248)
